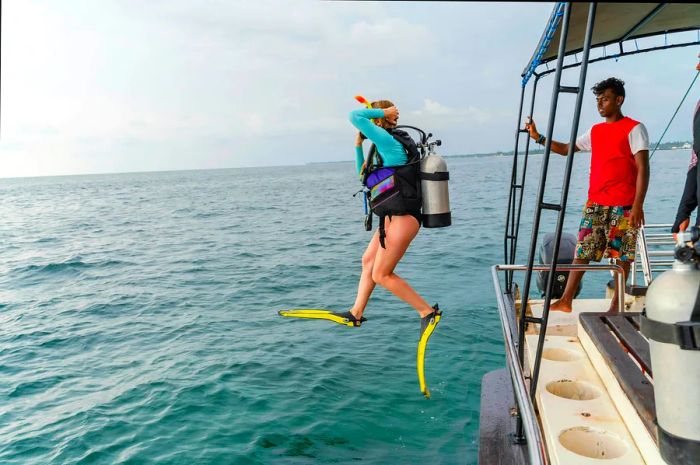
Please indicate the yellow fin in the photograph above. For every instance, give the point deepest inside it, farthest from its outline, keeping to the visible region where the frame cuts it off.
(420, 359)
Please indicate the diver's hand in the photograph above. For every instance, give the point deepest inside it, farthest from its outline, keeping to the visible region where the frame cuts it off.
(391, 114)
(531, 128)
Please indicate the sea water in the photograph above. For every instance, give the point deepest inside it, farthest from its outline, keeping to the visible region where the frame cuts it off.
(139, 325)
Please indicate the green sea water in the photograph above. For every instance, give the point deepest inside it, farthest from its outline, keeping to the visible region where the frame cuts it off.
(138, 316)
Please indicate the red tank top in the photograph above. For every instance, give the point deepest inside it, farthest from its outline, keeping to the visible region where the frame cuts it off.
(613, 180)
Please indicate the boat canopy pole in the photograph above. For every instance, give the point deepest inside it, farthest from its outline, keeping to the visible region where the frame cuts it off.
(509, 235)
(543, 180)
(622, 54)
(557, 88)
(564, 196)
(517, 189)
(522, 179)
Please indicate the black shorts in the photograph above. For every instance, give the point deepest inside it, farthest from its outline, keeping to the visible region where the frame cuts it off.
(417, 216)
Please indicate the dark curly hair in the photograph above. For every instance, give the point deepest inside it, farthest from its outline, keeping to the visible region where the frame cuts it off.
(617, 86)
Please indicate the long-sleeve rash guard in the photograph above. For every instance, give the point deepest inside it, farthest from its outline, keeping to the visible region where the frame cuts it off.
(390, 149)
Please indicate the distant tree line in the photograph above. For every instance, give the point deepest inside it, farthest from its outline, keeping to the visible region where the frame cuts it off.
(538, 150)
(671, 145)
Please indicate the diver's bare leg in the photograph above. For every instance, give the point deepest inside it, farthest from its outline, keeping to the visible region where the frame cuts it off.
(366, 285)
(400, 231)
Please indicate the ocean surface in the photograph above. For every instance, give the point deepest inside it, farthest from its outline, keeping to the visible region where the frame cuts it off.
(138, 316)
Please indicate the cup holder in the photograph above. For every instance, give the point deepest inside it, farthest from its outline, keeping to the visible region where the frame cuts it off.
(560, 355)
(573, 390)
(593, 443)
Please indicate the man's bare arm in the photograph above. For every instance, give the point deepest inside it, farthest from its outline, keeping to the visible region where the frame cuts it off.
(557, 147)
(637, 214)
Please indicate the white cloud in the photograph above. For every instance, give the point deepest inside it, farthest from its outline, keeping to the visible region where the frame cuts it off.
(391, 42)
(126, 85)
(444, 115)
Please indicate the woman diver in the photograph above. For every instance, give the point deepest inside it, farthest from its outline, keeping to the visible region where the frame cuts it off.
(383, 253)
(390, 174)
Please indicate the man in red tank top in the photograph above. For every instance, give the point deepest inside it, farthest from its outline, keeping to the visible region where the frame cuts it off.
(618, 183)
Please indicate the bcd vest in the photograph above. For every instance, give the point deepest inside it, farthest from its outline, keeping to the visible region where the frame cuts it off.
(393, 190)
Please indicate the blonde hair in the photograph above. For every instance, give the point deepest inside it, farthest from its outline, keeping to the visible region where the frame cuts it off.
(383, 104)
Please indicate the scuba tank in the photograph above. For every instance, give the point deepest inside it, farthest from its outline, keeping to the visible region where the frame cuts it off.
(420, 184)
(672, 326)
(436, 197)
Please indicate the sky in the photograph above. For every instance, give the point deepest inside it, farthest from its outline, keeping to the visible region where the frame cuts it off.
(122, 86)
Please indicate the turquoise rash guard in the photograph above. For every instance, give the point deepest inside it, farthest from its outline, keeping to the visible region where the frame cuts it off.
(390, 149)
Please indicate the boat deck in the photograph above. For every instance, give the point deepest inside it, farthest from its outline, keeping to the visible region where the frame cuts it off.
(595, 382)
(496, 422)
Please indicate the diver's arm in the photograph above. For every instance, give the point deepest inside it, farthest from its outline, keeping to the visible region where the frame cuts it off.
(359, 158)
(361, 119)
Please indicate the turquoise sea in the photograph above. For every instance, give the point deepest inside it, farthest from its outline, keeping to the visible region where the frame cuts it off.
(138, 316)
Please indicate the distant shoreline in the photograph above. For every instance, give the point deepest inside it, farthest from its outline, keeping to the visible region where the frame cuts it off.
(539, 151)
(675, 145)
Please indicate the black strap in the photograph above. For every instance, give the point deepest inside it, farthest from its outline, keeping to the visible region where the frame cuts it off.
(382, 233)
(437, 176)
(685, 334)
(407, 142)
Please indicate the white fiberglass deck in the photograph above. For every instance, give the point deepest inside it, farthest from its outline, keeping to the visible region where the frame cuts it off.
(566, 324)
(580, 422)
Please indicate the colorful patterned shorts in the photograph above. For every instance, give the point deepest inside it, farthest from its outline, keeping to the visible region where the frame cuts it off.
(606, 232)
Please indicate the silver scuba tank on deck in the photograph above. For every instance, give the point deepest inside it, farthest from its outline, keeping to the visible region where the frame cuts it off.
(672, 326)
(436, 197)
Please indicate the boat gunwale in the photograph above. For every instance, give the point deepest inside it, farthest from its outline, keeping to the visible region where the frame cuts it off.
(526, 410)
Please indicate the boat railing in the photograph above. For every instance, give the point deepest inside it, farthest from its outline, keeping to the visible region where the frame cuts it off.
(655, 248)
(526, 410)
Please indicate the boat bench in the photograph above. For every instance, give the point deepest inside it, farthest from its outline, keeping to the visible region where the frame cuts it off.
(618, 339)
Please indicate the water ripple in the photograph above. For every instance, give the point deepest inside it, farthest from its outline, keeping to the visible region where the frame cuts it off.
(138, 319)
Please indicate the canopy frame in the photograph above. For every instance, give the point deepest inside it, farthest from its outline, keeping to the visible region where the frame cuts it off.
(561, 22)
(645, 27)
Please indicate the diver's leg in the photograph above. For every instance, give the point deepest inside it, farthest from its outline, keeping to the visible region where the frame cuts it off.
(400, 231)
(366, 285)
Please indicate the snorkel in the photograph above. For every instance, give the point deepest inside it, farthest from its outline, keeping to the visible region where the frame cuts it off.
(364, 102)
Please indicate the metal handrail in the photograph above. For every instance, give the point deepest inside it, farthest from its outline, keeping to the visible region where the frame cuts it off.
(644, 255)
(617, 269)
(661, 253)
(536, 448)
(535, 443)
